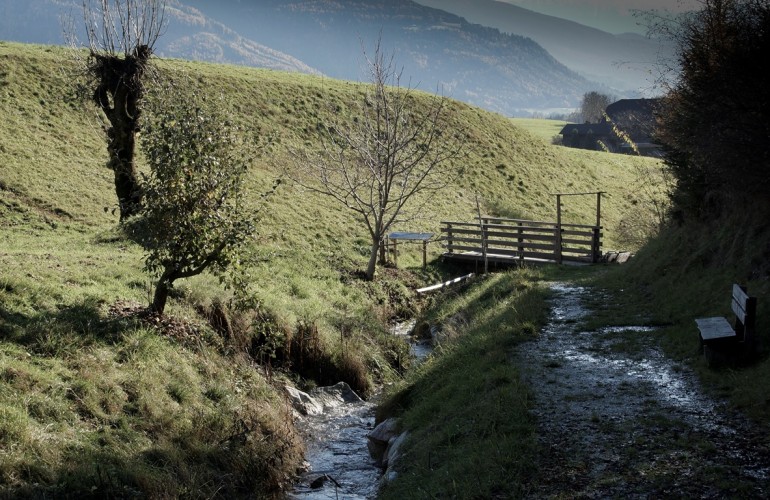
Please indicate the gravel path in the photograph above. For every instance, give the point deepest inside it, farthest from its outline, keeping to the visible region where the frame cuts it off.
(619, 425)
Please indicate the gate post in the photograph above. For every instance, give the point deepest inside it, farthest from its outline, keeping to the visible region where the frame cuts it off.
(484, 237)
(558, 229)
(596, 245)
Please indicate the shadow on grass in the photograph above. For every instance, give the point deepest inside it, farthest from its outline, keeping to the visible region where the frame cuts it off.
(194, 469)
(466, 407)
(51, 333)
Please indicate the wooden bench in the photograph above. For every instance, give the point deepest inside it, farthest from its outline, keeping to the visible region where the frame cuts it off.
(718, 336)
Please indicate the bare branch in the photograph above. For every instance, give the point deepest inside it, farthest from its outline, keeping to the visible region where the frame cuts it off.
(119, 27)
(376, 164)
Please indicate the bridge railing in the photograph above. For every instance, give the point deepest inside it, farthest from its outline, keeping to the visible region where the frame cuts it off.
(523, 239)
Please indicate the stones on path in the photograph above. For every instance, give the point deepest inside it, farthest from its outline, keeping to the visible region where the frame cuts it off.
(618, 425)
(613, 257)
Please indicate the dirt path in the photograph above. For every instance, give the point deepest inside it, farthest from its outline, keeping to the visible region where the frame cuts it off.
(619, 425)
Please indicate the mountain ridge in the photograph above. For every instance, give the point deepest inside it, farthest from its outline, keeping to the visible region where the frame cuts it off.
(625, 61)
(506, 73)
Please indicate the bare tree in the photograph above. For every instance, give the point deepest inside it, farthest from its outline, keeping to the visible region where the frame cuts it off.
(121, 35)
(593, 105)
(375, 164)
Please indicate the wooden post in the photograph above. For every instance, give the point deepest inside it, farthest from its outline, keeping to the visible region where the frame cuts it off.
(558, 229)
(482, 226)
(599, 209)
(424, 254)
(395, 253)
(521, 241)
(596, 245)
(384, 246)
(484, 247)
(449, 237)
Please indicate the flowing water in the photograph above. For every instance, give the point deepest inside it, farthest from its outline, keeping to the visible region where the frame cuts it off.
(339, 461)
(339, 465)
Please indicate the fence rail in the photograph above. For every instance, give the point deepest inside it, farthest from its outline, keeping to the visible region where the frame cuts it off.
(515, 239)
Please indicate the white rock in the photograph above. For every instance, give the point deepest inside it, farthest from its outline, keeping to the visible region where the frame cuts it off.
(379, 439)
(303, 402)
(393, 452)
(335, 395)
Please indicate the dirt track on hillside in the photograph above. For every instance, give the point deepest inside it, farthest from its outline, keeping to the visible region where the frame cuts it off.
(619, 425)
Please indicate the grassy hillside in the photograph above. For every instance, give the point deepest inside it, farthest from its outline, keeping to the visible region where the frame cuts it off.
(96, 401)
(543, 128)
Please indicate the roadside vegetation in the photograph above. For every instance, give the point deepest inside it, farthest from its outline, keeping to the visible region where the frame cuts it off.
(717, 155)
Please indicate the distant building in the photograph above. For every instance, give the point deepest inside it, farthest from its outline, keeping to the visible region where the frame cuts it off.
(634, 117)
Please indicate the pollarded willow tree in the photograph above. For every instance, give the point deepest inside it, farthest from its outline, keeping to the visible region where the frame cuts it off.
(121, 35)
(396, 146)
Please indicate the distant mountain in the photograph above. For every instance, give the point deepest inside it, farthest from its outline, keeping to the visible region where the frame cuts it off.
(502, 72)
(439, 51)
(190, 34)
(624, 62)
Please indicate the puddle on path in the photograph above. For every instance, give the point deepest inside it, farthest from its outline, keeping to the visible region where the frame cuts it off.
(611, 424)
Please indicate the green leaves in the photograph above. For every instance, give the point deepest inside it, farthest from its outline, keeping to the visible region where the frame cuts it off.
(194, 213)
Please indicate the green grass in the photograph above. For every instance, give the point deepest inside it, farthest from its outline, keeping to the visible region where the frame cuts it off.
(542, 128)
(95, 402)
(466, 408)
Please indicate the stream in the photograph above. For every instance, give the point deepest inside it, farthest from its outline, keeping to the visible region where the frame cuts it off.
(335, 430)
(339, 465)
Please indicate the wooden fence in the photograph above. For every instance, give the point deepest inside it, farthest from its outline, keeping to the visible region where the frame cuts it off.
(501, 240)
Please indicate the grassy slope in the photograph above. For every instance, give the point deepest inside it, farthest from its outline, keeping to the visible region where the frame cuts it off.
(688, 273)
(79, 384)
(467, 411)
(545, 129)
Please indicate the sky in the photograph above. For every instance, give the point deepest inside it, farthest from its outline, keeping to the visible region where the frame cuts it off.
(612, 16)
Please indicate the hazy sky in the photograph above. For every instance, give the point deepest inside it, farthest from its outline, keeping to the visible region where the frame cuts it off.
(613, 16)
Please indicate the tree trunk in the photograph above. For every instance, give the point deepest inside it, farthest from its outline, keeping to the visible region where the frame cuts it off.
(122, 140)
(372, 266)
(160, 297)
(118, 94)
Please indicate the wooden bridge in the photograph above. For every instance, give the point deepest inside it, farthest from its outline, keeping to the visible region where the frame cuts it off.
(515, 241)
